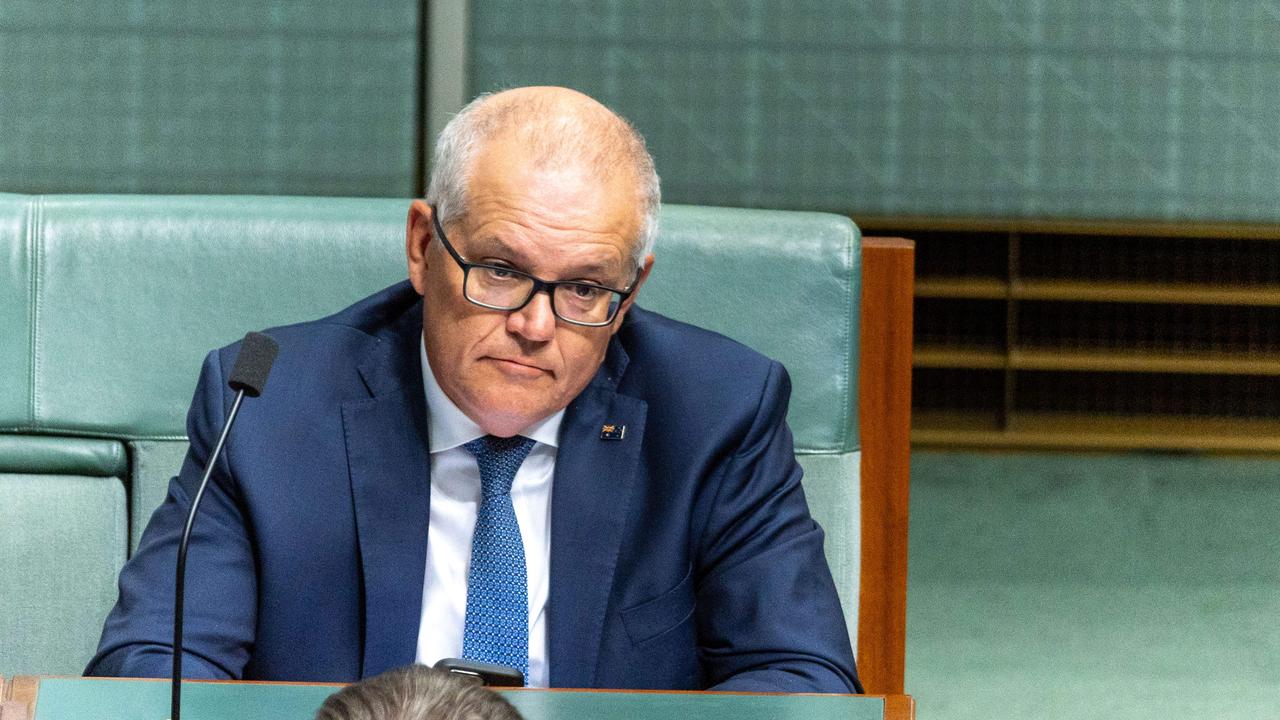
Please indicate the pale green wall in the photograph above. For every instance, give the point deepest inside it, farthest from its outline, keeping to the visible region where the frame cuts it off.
(1153, 109)
(309, 97)
(1088, 108)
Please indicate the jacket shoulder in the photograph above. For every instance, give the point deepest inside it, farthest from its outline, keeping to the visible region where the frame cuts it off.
(674, 359)
(315, 353)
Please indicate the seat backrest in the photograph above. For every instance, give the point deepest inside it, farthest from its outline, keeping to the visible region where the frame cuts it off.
(109, 303)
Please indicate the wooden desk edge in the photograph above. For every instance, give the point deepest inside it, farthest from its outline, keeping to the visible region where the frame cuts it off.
(19, 698)
(23, 690)
(899, 707)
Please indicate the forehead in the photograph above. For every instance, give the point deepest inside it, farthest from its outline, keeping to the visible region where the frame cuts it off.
(513, 196)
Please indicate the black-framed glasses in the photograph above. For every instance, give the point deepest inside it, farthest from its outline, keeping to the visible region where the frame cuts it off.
(502, 288)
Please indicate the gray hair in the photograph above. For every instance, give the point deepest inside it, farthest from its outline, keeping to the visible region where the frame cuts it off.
(416, 692)
(598, 139)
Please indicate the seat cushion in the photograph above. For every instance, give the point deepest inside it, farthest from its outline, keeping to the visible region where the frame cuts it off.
(155, 462)
(831, 489)
(64, 540)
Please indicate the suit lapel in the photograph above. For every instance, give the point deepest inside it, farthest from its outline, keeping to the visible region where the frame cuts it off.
(386, 438)
(590, 500)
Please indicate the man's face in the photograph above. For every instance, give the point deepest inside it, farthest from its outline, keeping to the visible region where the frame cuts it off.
(509, 369)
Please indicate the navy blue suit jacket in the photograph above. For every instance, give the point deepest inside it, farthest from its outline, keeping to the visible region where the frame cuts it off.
(682, 556)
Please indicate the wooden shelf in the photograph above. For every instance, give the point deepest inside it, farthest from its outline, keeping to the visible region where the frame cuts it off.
(929, 422)
(1068, 431)
(1187, 293)
(879, 224)
(962, 287)
(1092, 291)
(1086, 322)
(955, 357)
(1142, 362)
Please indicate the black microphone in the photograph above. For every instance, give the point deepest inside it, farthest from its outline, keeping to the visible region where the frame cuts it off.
(248, 377)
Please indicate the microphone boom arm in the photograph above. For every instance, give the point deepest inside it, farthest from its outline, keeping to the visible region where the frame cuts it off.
(248, 377)
(180, 591)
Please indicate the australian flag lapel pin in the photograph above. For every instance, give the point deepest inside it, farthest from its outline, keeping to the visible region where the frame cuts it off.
(612, 432)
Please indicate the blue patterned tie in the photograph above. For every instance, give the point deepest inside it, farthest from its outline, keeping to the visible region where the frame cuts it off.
(497, 626)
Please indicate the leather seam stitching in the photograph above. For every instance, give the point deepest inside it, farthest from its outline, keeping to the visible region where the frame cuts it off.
(90, 433)
(141, 467)
(33, 252)
(31, 311)
(122, 522)
(851, 365)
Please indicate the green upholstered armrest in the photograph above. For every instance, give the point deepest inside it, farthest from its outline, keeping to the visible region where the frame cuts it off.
(43, 454)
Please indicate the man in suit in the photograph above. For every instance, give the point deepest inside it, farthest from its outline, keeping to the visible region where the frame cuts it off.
(502, 459)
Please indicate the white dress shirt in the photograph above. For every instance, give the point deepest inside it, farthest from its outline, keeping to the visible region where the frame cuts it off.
(455, 501)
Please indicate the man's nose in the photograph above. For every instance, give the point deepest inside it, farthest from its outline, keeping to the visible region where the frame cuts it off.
(535, 320)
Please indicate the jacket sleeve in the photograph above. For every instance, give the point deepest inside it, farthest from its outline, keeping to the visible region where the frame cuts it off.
(221, 586)
(769, 618)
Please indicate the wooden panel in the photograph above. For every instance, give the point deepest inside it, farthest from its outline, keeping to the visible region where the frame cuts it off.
(978, 288)
(23, 689)
(924, 421)
(19, 698)
(1174, 322)
(1234, 231)
(1136, 361)
(884, 373)
(1069, 431)
(954, 357)
(899, 707)
(1191, 293)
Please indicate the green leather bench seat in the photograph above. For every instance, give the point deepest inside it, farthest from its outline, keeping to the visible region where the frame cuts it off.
(64, 540)
(109, 303)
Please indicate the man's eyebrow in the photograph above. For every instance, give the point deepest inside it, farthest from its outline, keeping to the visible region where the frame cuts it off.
(492, 244)
(487, 245)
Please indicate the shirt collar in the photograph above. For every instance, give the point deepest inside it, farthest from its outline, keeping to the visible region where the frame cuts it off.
(448, 427)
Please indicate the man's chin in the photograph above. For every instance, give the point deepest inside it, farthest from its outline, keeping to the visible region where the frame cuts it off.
(497, 415)
(508, 424)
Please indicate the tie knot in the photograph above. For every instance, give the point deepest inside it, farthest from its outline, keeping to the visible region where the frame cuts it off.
(499, 459)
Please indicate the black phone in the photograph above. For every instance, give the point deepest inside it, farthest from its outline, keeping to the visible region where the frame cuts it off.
(491, 674)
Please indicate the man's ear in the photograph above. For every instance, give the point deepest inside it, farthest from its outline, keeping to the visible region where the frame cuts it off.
(635, 290)
(418, 234)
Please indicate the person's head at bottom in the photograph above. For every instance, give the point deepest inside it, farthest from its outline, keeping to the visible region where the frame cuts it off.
(417, 692)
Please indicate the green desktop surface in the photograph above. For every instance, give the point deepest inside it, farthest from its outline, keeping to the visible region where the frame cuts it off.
(105, 699)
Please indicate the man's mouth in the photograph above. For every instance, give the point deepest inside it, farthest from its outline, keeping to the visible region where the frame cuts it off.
(518, 368)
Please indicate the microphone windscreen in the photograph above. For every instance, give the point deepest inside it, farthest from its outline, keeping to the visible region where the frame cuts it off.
(257, 353)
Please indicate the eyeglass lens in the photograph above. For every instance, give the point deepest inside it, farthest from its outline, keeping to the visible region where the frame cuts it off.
(506, 290)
